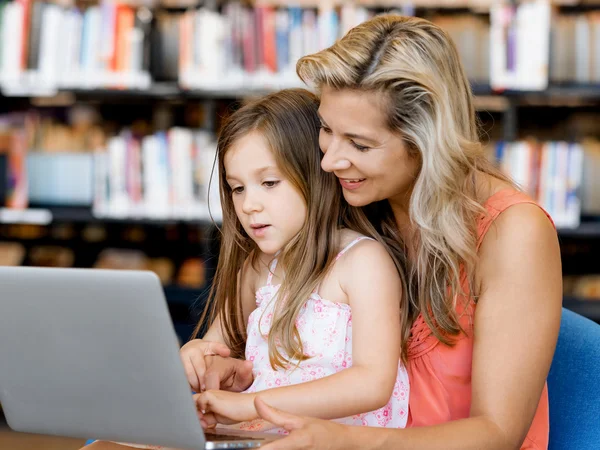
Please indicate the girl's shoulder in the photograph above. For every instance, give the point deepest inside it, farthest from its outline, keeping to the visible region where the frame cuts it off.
(255, 271)
(363, 263)
(356, 250)
(347, 236)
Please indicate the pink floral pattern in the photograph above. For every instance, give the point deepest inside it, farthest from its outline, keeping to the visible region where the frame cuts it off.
(325, 329)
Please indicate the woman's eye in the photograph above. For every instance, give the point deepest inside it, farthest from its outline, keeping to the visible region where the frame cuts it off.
(325, 129)
(360, 148)
(271, 184)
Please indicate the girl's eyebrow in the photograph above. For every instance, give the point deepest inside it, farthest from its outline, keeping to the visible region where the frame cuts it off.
(264, 169)
(258, 171)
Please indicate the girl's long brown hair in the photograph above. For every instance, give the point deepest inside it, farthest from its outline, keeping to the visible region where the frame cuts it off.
(289, 122)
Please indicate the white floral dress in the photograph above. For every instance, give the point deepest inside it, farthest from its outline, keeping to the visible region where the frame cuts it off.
(325, 328)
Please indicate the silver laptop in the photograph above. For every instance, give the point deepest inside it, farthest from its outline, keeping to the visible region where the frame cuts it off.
(93, 354)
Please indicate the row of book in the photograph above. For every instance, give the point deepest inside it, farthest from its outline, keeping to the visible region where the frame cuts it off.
(553, 174)
(132, 174)
(170, 174)
(167, 175)
(258, 47)
(576, 48)
(45, 47)
(520, 45)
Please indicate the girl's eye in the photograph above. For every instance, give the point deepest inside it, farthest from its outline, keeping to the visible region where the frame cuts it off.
(325, 129)
(360, 148)
(237, 190)
(271, 184)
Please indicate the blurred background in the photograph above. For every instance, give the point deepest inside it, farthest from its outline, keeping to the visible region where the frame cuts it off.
(109, 109)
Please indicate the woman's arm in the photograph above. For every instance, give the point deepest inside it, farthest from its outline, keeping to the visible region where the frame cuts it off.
(516, 327)
(369, 279)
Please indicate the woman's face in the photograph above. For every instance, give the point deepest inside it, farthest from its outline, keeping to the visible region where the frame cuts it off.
(371, 162)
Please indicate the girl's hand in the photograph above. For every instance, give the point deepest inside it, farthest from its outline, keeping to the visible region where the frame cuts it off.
(192, 355)
(305, 432)
(224, 407)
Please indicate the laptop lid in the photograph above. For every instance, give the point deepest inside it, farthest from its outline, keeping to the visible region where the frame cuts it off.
(92, 353)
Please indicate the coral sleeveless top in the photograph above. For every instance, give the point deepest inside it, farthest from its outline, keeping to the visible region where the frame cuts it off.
(440, 375)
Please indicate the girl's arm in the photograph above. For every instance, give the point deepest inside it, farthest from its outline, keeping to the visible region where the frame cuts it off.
(213, 343)
(516, 327)
(371, 282)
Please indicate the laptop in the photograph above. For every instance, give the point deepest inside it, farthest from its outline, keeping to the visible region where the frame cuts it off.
(92, 353)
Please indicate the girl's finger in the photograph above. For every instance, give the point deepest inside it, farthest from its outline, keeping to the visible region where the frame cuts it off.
(203, 403)
(210, 420)
(216, 348)
(197, 362)
(190, 373)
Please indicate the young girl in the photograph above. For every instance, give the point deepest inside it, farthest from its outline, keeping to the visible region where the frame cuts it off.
(300, 289)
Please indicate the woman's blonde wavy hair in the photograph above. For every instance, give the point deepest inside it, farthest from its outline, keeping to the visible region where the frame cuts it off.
(289, 123)
(416, 66)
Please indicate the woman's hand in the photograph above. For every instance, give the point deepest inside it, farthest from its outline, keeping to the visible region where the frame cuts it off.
(193, 357)
(305, 432)
(224, 407)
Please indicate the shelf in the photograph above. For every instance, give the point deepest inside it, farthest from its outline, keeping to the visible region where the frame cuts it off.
(156, 90)
(586, 308)
(558, 91)
(171, 90)
(83, 214)
(583, 231)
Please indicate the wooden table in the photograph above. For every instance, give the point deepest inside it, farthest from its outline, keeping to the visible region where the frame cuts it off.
(11, 440)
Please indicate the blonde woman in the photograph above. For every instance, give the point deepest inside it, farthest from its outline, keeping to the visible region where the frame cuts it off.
(482, 304)
(481, 314)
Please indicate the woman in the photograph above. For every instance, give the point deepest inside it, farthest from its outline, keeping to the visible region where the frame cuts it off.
(482, 307)
(481, 263)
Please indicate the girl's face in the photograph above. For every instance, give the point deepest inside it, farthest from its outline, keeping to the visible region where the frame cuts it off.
(269, 207)
(371, 162)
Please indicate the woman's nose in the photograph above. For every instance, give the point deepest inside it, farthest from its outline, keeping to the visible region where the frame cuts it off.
(334, 159)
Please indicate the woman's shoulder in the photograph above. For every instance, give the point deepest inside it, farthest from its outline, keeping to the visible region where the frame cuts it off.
(521, 238)
(512, 220)
(521, 218)
(510, 211)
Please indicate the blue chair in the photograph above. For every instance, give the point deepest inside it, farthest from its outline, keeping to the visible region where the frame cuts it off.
(574, 385)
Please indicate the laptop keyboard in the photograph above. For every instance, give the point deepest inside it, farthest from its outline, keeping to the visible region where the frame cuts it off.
(223, 441)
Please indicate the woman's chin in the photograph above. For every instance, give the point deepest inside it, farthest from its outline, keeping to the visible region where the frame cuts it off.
(356, 200)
